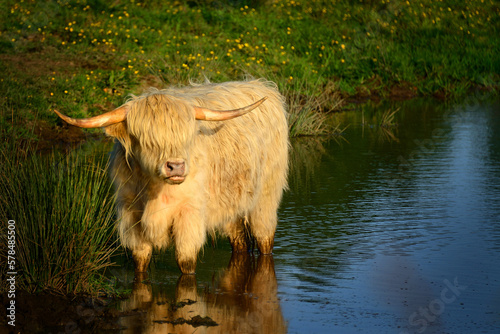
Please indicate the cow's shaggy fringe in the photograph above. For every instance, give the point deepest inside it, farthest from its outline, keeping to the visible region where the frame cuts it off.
(236, 169)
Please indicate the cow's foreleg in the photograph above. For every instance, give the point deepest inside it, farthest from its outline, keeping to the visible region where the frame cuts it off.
(189, 235)
(132, 236)
(142, 255)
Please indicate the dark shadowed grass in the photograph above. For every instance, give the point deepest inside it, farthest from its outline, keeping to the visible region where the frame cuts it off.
(64, 213)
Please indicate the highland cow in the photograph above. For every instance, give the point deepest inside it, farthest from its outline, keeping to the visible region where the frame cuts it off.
(195, 160)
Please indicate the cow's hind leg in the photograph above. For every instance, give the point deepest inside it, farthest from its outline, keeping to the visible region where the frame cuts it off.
(263, 221)
(264, 216)
(239, 236)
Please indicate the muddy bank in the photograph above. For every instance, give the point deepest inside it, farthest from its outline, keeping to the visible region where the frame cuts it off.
(48, 313)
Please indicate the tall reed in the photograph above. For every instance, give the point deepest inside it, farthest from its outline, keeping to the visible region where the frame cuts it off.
(64, 213)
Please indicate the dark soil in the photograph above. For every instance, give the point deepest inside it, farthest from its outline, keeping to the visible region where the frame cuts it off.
(48, 313)
(375, 90)
(34, 67)
(48, 60)
(62, 137)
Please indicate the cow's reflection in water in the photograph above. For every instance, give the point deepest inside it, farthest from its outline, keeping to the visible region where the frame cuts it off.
(243, 300)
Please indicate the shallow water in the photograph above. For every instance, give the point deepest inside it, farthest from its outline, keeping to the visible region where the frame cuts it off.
(389, 229)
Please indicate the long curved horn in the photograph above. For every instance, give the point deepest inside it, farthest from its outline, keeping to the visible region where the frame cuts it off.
(111, 117)
(205, 114)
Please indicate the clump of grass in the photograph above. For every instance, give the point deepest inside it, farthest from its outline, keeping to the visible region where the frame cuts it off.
(387, 118)
(380, 126)
(306, 105)
(387, 125)
(64, 217)
(306, 122)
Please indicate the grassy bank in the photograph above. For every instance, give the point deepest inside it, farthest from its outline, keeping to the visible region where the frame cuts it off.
(64, 221)
(85, 56)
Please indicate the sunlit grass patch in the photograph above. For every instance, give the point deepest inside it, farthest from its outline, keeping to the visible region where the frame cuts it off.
(98, 52)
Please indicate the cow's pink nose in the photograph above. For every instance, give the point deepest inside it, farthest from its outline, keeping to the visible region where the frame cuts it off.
(175, 168)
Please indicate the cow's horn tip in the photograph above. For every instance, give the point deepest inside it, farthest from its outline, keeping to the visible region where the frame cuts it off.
(61, 115)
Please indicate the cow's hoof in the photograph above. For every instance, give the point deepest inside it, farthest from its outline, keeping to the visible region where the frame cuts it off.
(139, 277)
(265, 246)
(187, 268)
(240, 245)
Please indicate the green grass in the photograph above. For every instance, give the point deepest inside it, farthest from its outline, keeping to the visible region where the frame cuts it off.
(64, 213)
(86, 56)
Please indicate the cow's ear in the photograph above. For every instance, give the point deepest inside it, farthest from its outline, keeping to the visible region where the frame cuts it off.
(119, 131)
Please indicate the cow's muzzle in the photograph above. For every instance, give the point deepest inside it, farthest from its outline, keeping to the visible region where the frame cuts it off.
(174, 171)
